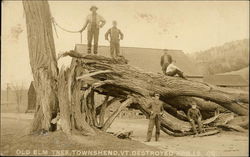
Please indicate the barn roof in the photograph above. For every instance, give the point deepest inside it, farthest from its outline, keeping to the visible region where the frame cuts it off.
(148, 58)
(226, 80)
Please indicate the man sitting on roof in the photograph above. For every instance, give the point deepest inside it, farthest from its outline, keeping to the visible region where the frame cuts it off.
(170, 69)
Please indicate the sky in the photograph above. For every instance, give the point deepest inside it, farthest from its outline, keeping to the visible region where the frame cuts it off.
(190, 26)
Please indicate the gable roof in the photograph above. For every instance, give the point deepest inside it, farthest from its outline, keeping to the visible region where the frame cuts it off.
(244, 72)
(148, 58)
(226, 80)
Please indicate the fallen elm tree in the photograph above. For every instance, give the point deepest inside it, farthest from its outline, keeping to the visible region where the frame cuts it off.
(90, 74)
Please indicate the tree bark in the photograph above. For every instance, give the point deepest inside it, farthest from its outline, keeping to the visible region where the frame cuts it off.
(65, 108)
(115, 114)
(43, 61)
(80, 103)
(102, 111)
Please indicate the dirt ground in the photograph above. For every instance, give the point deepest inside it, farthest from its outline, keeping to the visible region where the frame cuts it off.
(15, 141)
(223, 144)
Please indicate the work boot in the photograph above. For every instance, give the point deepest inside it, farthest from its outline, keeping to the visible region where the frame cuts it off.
(196, 134)
(181, 74)
(44, 132)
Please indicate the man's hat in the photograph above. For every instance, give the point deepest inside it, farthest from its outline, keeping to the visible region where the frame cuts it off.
(114, 21)
(193, 103)
(92, 7)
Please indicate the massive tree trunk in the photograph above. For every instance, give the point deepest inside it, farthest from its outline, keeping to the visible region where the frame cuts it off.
(117, 79)
(126, 80)
(43, 61)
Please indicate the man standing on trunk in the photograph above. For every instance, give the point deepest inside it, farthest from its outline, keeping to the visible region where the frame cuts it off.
(115, 35)
(94, 22)
(156, 108)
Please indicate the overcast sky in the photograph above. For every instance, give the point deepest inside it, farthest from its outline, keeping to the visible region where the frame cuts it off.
(187, 25)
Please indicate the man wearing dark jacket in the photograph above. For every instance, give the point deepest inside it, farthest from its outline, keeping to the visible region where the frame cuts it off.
(115, 35)
(156, 108)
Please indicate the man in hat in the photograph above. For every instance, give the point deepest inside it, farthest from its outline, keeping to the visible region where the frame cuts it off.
(156, 108)
(94, 22)
(194, 116)
(115, 35)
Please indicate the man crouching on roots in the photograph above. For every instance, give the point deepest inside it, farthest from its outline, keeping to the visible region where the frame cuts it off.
(156, 108)
(194, 116)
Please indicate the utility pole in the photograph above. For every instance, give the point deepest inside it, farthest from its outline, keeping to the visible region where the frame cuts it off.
(7, 90)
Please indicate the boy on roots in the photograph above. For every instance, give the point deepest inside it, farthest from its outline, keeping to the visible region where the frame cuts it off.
(194, 116)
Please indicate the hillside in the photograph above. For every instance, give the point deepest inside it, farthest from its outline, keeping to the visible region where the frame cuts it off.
(231, 56)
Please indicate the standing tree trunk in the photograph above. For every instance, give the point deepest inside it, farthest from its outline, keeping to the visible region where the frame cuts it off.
(77, 107)
(43, 61)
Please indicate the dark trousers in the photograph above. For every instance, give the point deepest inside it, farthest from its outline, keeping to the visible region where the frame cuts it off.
(175, 72)
(114, 49)
(93, 33)
(154, 120)
(199, 125)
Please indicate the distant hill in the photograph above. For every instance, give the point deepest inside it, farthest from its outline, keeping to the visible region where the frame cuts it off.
(231, 56)
(148, 59)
